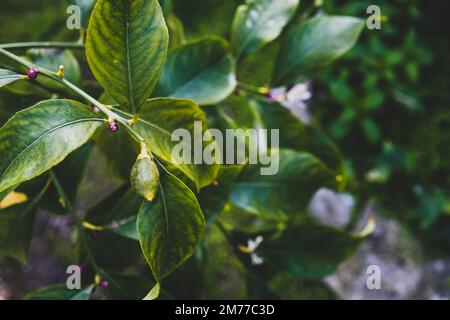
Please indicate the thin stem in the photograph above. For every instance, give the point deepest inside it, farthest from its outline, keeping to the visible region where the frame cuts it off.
(249, 88)
(78, 222)
(74, 88)
(56, 45)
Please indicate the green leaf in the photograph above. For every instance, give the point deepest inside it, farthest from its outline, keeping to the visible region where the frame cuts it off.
(158, 119)
(170, 227)
(126, 228)
(117, 212)
(122, 204)
(314, 44)
(285, 194)
(60, 292)
(113, 251)
(38, 138)
(16, 230)
(252, 112)
(296, 135)
(8, 77)
(202, 71)
(259, 22)
(308, 251)
(205, 17)
(126, 47)
(154, 293)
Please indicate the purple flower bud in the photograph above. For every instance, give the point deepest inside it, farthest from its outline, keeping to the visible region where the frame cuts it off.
(32, 74)
(95, 109)
(113, 127)
(104, 283)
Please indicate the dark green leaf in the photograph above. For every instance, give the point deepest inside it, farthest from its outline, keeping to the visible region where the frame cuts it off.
(285, 194)
(202, 71)
(170, 227)
(258, 22)
(126, 228)
(313, 44)
(308, 251)
(8, 77)
(121, 204)
(38, 138)
(239, 112)
(126, 47)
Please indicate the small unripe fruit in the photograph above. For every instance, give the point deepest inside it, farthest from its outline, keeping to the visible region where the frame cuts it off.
(145, 176)
(32, 74)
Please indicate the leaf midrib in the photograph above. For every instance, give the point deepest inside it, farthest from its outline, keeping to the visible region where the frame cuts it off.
(127, 54)
(43, 136)
(166, 213)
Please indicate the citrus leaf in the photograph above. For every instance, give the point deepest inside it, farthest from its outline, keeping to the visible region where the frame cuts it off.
(8, 77)
(258, 22)
(309, 251)
(170, 227)
(126, 47)
(202, 71)
(38, 138)
(251, 112)
(286, 193)
(314, 44)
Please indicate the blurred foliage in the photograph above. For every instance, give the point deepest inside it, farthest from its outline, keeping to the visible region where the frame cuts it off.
(386, 105)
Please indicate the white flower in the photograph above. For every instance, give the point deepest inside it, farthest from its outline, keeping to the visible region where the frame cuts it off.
(252, 245)
(294, 99)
